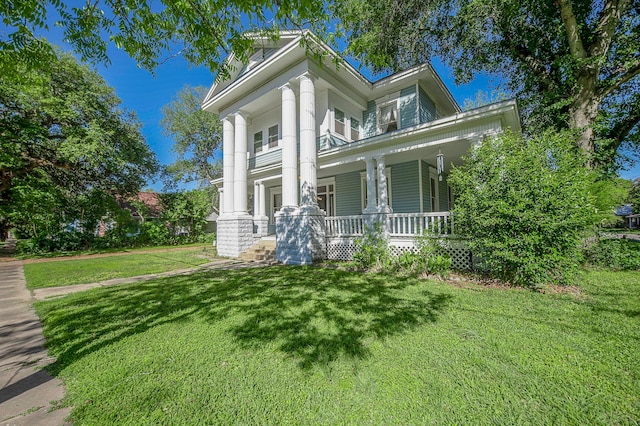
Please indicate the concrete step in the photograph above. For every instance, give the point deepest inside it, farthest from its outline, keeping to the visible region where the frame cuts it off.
(263, 250)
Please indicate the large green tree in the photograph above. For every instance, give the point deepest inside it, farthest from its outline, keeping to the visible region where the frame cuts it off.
(201, 31)
(572, 63)
(197, 136)
(64, 138)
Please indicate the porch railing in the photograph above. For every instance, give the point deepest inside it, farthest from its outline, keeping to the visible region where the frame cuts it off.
(400, 224)
(345, 226)
(412, 224)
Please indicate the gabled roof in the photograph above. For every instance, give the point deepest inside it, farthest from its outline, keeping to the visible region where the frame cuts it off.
(290, 43)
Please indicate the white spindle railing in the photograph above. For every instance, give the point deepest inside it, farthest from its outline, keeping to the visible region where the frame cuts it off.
(345, 226)
(400, 224)
(412, 224)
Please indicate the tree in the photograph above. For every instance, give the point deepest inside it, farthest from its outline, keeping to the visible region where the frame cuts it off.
(201, 31)
(572, 63)
(197, 135)
(187, 209)
(526, 206)
(634, 196)
(64, 138)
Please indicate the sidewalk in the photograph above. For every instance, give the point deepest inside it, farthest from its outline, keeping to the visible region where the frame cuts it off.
(28, 394)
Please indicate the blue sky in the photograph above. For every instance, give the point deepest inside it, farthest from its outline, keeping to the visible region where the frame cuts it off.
(145, 93)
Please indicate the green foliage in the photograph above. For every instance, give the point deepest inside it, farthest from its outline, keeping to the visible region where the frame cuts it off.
(634, 196)
(372, 250)
(569, 63)
(197, 136)
(186, 211)
(525, 206)
(67, 148)
(617, 254)
(609, 194)
(372, 253)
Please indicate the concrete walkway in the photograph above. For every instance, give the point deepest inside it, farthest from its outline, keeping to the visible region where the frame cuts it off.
(28, 394)
(53, 292)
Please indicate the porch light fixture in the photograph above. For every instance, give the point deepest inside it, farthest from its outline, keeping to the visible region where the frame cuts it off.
(440, 164)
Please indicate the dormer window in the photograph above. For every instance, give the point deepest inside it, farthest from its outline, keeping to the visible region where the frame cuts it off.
(388, 118)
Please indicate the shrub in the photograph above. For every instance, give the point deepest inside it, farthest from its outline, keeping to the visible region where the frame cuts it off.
(619, 254)
(372, 250)
(525, 205)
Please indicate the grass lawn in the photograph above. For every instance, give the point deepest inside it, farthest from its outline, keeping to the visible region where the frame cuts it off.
(303, 345)
(89, 270)
(57, 254)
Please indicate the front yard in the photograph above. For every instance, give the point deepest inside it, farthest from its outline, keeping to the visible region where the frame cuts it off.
(90, 269)
(304, 345)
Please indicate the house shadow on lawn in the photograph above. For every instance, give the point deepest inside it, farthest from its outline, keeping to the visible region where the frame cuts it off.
(314, 315)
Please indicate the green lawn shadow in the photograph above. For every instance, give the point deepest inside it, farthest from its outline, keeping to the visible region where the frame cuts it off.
(314, 315)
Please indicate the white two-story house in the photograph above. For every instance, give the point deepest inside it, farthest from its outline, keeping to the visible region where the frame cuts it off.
(314, 152)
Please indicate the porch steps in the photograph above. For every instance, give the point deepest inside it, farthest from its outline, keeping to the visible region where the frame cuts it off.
(262, 251)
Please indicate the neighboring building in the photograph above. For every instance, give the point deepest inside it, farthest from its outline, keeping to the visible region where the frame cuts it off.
(323, 152)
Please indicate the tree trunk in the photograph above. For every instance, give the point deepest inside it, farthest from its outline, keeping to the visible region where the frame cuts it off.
(583, 114)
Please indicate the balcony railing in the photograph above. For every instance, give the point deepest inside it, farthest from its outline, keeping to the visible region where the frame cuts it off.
(399, 224)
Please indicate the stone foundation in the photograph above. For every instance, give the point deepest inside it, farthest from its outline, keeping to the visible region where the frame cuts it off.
(300, 236)
(235, 235)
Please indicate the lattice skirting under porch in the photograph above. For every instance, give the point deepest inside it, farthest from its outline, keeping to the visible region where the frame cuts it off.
(343, 249)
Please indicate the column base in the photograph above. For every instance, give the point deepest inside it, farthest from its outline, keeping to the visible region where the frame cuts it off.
(300, 236)
(261, 225)
(235, 235)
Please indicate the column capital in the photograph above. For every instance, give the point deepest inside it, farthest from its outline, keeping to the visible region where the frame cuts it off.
(286, 86)
(241, 113)
(307, 75)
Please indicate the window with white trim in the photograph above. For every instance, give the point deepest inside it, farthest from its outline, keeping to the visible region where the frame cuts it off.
(273, 136)
(339, 121)
(355, 129)
(257, 142)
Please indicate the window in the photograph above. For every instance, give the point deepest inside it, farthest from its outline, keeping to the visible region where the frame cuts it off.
(434, 195)
(326, 196)
(339, 122)
(355, 129)
(388, 118)
(257, 142)
(273, 136)
(450, 198)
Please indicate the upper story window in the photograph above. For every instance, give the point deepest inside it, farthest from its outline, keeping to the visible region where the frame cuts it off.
(346, 126)
(273, 136)
(257, 142)
(388, 115)
(339, 122)
(355, 129)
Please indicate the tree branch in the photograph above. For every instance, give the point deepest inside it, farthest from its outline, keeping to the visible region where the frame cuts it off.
(619, 132)
(631, 72)
(571, 27)
(607, 23)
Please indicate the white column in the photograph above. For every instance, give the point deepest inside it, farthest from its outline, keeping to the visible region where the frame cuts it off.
(383, 194)
(371, 186)
(240, 171)
(308, 152)
(228, 165)
(256, 200)
(289, 149)
(220, 201)
(262, 206)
